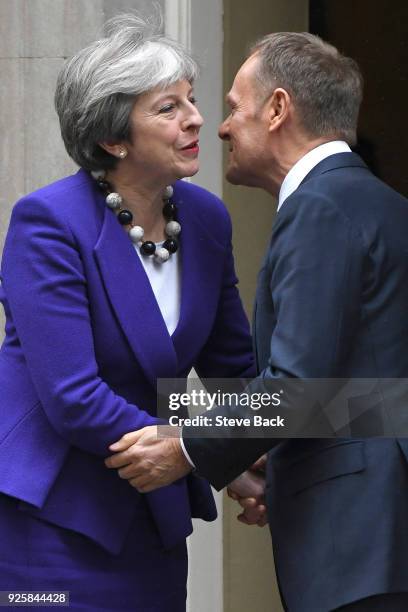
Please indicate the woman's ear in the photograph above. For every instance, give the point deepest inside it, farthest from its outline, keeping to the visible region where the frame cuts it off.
(115, 149)
(278, 108)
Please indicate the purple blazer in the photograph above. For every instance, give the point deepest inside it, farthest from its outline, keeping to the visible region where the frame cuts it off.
(85, 343)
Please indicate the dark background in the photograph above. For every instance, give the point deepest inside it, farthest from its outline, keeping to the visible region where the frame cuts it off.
(375, 34)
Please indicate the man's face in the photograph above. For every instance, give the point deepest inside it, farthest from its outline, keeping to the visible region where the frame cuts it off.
(246, 128)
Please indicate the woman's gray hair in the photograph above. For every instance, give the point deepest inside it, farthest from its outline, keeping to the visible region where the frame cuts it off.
(97, 88)
(326, 86)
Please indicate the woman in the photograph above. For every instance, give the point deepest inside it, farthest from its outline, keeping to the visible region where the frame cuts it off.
(111, 278)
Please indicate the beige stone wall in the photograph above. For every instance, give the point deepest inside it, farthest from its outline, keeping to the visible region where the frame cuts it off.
(249, 578)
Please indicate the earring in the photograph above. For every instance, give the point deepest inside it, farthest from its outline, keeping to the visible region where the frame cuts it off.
(122, 153)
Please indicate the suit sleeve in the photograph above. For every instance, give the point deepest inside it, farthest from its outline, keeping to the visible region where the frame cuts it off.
(314, 282)
(46, 289)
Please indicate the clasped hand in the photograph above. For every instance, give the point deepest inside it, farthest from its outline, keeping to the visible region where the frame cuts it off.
(249, 491)
(149, 460)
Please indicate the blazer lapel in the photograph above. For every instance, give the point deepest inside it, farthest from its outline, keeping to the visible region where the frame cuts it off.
(202, 271)
(133, 300)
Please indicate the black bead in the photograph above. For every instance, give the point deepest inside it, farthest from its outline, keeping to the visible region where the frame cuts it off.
(169, 210)
(125, 217)
(148, 248)
(103, 185)
(171, 245)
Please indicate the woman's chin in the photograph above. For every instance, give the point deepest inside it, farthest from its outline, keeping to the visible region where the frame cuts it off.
(191, 170)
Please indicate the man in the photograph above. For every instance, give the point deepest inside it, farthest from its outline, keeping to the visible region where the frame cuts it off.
(332, 302)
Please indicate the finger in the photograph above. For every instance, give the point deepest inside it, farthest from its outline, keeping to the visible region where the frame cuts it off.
(260, 464)
(247, 502)
(263, 521)
(232, 495)
(128, 472)
(251, 502)
(243, 518)
(134, 483)
(120, 460)
(139, 482)
(254, 515)
(125, 441)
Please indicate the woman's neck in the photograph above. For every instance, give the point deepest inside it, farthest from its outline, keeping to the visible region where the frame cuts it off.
(145, 202)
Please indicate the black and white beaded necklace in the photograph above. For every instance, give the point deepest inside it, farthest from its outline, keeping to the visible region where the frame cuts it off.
(148, 248)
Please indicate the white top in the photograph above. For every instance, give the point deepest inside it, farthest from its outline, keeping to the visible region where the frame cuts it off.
(306, 163)
(165, 280)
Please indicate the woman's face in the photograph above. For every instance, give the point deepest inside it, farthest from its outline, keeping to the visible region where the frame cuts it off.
(164, 133)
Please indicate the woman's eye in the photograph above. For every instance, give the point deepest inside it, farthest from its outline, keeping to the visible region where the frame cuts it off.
(167, 108)
(193, 100)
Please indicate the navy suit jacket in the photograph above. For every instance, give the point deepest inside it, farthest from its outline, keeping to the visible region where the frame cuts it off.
(332, 302)
(85, 343)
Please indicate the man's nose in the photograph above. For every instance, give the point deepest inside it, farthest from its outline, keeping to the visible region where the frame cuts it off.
(223, 130)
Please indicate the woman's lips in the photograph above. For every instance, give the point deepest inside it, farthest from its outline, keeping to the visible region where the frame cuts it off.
(191, 149)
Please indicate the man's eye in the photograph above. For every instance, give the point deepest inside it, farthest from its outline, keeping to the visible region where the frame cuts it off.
(167, 108)
(193, 100)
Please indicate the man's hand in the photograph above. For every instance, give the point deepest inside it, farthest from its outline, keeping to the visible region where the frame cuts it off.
(147, 461)
(249, 491)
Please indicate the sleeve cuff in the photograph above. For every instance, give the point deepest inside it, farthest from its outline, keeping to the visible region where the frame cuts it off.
(187, 456)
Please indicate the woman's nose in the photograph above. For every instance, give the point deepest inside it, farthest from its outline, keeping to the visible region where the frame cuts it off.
(193, 120)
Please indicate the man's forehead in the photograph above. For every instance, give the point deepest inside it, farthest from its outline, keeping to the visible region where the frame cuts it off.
(243, 78)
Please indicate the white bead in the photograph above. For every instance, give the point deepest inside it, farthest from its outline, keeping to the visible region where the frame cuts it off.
(168, 192)
(136, 233)
(173, 228)
(98, 174)
(161, 254)
(113, 200)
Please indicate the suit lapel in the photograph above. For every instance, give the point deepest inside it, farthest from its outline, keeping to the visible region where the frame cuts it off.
(133, 300)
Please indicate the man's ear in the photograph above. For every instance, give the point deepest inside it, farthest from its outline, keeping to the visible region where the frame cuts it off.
(278, 107)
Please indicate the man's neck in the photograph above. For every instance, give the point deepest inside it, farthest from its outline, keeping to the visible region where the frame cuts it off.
(286, 157)
(305, 164)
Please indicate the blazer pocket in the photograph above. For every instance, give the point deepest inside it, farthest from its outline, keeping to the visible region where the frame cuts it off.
(31, 457)
(330, 462)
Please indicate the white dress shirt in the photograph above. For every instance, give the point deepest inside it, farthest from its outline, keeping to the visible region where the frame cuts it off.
(306, 163)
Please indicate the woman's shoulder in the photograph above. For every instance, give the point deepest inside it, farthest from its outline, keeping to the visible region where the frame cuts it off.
(69, 197)
(201, 199)
(67, 188)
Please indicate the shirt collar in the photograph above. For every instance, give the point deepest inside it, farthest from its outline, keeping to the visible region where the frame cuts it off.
(306, 163)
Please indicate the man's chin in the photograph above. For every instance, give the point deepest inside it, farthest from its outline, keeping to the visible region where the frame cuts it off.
(233, 176)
